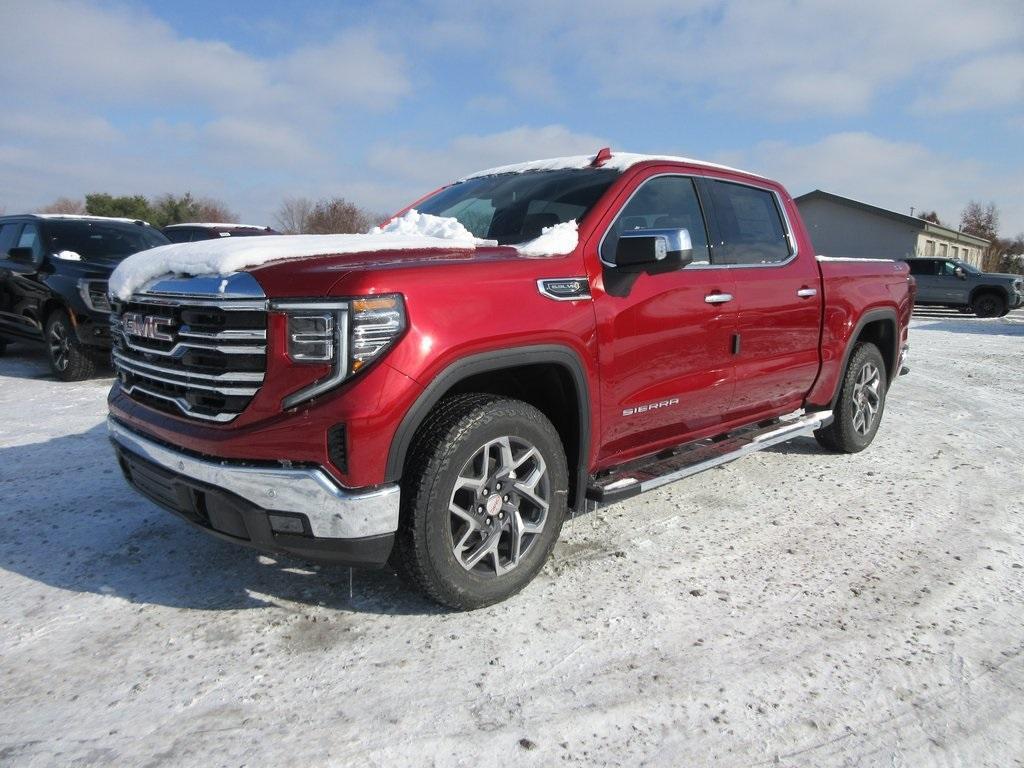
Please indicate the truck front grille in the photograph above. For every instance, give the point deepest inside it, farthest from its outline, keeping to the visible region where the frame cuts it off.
(201, 357)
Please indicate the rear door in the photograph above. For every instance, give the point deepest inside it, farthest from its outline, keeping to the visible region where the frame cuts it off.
(778, 296)
(665, 333)
(928, 287)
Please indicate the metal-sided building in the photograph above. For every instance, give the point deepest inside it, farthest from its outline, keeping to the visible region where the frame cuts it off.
(840, 226)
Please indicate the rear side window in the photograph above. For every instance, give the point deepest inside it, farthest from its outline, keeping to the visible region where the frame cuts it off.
(921, 267)
(29, 238)
(178, 235)
(664, 202)
(750, 225)
(8, 233)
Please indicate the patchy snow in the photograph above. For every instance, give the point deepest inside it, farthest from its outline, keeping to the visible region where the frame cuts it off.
(619, 161)
(412, 231)
(68, 255)
(556, 240)
(413, 223)
(796, 608)
(86, 217)
(215, 224)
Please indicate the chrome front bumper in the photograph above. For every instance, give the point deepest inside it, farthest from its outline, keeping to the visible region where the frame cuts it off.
(332, 511)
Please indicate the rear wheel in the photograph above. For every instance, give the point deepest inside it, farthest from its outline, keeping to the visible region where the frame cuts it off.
(858, 411)
(482, 502)
(988, 305)
(69, 359)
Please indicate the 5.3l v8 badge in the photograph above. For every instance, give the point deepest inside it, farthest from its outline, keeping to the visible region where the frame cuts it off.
(564, 288)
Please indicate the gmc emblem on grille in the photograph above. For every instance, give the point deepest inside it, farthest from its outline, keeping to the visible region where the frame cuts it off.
(146, 326)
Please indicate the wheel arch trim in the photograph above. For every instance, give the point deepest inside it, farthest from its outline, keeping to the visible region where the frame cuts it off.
(487, 362)
(871, 316)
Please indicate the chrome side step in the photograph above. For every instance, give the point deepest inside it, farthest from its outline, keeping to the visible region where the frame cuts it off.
(689, 459)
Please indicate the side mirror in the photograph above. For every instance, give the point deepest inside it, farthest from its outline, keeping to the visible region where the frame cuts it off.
(638, 247)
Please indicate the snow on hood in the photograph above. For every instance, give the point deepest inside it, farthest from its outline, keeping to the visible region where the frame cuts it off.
(411, 231)
(619, 161)
(556, 240)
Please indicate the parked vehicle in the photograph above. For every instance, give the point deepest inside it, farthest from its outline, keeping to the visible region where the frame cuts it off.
(53, 283)
(446, 408)
(953, 283)
(188, 233)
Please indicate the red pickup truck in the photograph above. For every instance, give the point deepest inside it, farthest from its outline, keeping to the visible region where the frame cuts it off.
(613, 323)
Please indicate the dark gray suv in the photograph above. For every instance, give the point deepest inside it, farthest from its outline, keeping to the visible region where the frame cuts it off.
(952, 283)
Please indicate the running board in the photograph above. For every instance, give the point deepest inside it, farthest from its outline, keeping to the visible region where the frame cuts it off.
(689, 459)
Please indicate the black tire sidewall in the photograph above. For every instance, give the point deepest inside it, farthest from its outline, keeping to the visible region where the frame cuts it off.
(462, 587)
(849, 439)
(80, 366)
(988, 305)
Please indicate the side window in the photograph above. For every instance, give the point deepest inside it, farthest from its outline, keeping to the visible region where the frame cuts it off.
(947, 268)
(30, 239)
(750, 225)
(8, 234)
(179, 235)
(664, 202)
(920, 267)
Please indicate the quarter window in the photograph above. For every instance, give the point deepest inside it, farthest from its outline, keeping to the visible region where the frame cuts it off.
(30, 239)
(750, 225)
(664, 202)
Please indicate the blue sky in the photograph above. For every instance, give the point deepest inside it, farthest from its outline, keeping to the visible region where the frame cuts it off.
(899, 104)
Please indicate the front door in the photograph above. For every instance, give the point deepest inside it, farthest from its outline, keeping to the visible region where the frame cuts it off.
(665, 334)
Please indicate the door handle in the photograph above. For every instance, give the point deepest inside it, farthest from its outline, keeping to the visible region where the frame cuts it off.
(718, 298)
(806, 293)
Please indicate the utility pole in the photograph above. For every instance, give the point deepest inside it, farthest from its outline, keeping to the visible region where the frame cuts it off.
(911, 210)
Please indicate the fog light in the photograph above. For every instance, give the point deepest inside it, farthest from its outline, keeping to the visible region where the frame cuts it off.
(281, 523)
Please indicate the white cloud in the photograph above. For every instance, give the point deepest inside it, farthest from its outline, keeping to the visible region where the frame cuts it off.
(983, 83)
(465, 154)
(891, 174)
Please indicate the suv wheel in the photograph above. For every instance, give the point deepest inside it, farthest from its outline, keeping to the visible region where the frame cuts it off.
(68, 357)
(858, 411)
(988, 305)
(483, 500)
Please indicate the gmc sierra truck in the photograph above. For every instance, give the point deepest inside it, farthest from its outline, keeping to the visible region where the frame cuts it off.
(591, 328)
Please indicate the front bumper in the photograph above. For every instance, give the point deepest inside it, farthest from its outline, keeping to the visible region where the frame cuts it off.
(297, 510)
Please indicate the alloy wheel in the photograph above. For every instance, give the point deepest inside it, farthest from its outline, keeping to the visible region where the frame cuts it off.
(867, 398)
(499, 506)
(60, 346)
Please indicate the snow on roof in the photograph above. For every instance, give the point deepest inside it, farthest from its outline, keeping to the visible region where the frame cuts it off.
(216, 224)
(411, 231)
(86, 217)
(619, 161)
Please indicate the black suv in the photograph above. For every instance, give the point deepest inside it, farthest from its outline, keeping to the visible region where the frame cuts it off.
(189, 233)
(53, 283)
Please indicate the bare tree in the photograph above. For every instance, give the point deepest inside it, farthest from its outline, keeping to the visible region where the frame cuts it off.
(212, 210)
(931, 216)
(293, 215)
(338, 216)
(983, 221)
(64, 205)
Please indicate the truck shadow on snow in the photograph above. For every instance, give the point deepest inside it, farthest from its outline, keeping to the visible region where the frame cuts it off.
(72, 522)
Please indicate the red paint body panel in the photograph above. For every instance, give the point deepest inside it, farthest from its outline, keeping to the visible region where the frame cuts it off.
(646, 339)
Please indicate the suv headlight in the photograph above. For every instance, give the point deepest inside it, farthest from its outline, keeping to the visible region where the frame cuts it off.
(94, 294)
(347, 335)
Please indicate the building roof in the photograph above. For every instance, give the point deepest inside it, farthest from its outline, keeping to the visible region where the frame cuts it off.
(912, 221)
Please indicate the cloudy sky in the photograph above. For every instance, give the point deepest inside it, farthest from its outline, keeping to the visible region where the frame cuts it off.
(896, 102)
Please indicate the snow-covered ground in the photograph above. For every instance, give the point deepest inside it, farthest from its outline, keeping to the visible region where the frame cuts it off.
(795, 609)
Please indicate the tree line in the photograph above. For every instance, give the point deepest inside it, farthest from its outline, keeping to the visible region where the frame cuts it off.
(296, 215)
(1004, 254)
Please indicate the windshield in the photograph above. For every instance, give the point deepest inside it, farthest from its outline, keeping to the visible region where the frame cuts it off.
(514, 207)
(101, 239)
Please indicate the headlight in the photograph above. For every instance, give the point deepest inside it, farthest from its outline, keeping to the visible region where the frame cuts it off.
(94, 294)
(347, 335)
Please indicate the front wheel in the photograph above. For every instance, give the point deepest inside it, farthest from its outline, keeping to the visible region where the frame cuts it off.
(858, 411)
(483, 500)
(68, 357)
(988, 305)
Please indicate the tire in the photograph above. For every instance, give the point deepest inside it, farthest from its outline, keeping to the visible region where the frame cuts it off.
(68, 357)
(858, 411)
(458, 526)
(988, 304)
